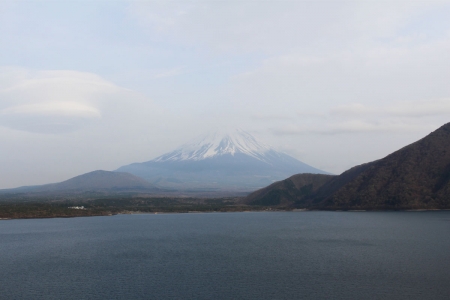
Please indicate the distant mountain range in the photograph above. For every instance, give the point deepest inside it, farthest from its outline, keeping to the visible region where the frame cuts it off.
(216, 164)
(414, 177)
(96, 181)
(220, 161)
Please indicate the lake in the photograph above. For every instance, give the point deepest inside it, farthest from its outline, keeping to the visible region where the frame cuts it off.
(248, 255)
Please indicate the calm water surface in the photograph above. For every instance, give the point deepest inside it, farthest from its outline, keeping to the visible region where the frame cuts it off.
(278, 255)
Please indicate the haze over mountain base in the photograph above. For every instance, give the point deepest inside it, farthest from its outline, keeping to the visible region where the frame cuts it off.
(414, 177)
(220, 161)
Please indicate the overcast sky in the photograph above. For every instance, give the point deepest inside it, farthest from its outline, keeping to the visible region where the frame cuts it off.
(88, 85)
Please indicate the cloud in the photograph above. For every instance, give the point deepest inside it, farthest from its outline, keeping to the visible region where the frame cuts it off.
(52, 117)
(354, 118)
(354, 109)
(52, 101)
(271, 26)
(408, 109)
(235, 25)
(54, 108)
(346, 127)
(374, 82)
(58, 124)
(432, 108)
(267, 117)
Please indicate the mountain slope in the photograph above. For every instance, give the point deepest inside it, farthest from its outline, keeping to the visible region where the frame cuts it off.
(93, 181)
(220, 161)
(414, 177)
(295, 189)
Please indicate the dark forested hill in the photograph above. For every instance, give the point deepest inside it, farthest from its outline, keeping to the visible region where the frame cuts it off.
(414, 177)
(296, 189)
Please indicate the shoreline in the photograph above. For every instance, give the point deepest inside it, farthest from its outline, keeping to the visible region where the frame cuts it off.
(127, 212)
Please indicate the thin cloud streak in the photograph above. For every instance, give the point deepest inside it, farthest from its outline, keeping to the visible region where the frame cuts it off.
(413, 109)
(359, 118)
(350, 127)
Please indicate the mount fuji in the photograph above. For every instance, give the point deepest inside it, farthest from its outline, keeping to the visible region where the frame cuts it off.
(218, 161)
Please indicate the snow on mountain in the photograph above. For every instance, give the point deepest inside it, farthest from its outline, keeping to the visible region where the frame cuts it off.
(217, 144)
(233, 160)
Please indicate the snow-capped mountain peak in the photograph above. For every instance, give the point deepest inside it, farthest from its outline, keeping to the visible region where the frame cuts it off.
(218, 144)
(220, 160)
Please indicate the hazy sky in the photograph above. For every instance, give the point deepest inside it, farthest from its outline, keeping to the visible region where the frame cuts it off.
(88, 85)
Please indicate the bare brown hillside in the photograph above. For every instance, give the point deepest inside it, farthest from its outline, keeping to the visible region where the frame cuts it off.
(414, 177)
